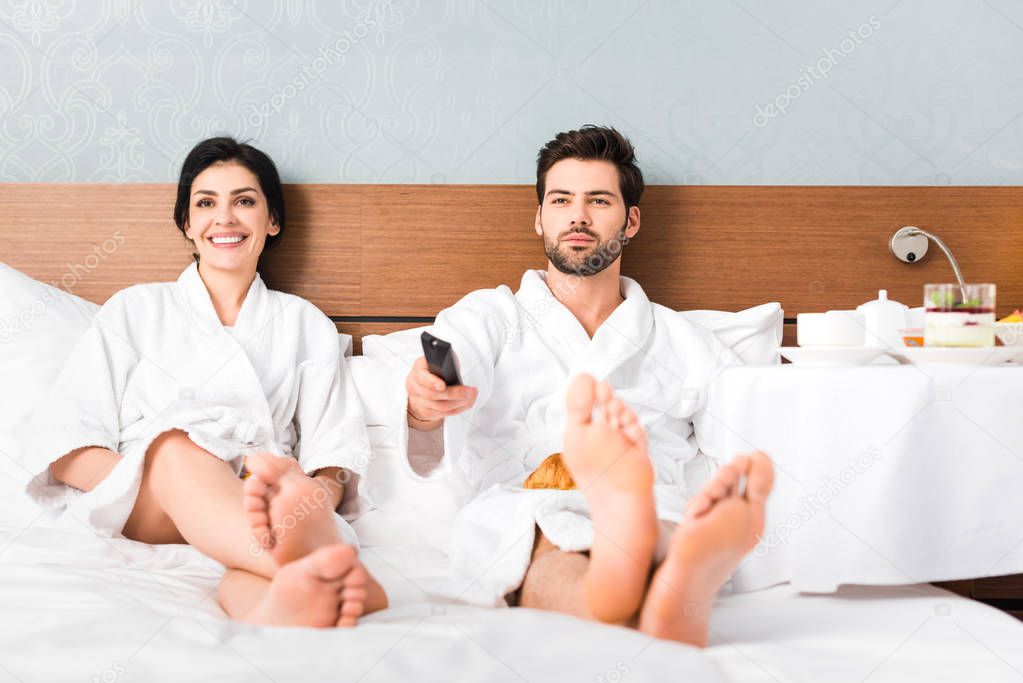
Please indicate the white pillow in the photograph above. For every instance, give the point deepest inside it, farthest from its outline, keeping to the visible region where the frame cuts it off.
(39, 326)
(753, 334)
(403, 346)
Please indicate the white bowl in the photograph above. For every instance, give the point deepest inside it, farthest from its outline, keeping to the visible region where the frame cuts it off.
(833, 328)
(1010, 334)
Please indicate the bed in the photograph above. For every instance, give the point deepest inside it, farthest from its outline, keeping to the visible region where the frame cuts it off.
(383, 258)
(76, 607)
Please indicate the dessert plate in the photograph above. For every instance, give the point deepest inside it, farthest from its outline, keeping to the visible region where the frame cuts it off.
(830, 356)
(992, 355)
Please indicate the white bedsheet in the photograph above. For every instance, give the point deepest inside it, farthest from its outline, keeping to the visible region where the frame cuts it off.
(77, 607)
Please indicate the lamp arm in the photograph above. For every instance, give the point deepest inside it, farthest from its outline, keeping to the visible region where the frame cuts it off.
(948, 253)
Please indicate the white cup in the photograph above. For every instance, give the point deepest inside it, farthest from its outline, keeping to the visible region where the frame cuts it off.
(833, 328)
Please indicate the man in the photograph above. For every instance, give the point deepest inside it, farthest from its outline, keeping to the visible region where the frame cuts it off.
(528, 362)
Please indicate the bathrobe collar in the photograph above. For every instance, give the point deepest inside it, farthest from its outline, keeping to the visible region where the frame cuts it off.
(618, 338)
(200, 303)
(232, 351)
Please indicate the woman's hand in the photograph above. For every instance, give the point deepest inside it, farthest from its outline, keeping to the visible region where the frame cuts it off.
(84, 468)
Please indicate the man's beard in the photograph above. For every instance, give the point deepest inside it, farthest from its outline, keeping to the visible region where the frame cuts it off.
(590, 261)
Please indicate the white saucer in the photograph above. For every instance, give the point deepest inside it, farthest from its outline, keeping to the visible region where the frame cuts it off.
(992, 355)
(830, 356)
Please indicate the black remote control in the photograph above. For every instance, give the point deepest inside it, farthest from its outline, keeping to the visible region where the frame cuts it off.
(441, 359)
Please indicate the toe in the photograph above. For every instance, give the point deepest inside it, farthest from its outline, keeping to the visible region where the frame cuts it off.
(353, 604)
(760, 479)
(627, 417)
(729, 478)
(266, 468)
(631, 427)
(354, 594)
(256, 510)
(330, 563)
(356, 578)
(615, 409)
(723, 483)
(580, 398)
(634, 432)
(254, 495)
(698, 504)
(604, 395)
(742, 463)
(352, 608)
(347, 620)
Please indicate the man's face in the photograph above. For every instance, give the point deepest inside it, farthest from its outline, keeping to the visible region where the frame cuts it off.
(583, 219)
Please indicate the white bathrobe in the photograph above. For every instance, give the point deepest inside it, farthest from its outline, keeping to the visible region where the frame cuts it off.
(158, 358)
(521, 350)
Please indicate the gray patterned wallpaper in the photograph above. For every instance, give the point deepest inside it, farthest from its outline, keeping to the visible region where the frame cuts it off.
(399, 91)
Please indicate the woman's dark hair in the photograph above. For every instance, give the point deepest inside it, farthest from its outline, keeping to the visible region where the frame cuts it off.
(593, 143)
(217, 150)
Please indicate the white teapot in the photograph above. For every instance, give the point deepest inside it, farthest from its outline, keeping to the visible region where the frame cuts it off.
(884, 320)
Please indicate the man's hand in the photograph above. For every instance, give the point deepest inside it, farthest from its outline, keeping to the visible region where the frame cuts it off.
(430, 400)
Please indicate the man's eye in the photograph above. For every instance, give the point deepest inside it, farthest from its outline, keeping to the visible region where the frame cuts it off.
(601, 201)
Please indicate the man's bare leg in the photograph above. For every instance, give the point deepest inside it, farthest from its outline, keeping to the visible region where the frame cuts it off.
(721, 524)
(605, 450)
(321, 581)
(555, 580)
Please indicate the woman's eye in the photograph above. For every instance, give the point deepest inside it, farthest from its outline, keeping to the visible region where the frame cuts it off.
(558, 200)
(204, 203)
(247, 201)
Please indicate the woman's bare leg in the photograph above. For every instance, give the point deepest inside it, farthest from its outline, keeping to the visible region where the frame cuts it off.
(321, 581)
(190, 496)
(300, 595)
(327, 587)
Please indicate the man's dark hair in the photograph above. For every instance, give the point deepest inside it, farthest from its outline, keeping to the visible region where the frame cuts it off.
(218, 150)
(593, 143)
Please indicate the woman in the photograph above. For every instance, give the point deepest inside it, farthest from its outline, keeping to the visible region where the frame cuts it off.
(176, 385)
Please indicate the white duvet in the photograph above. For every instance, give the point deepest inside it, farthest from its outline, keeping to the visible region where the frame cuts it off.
(79, 607)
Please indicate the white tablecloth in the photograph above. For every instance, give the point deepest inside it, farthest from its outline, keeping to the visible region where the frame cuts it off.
(885, 474)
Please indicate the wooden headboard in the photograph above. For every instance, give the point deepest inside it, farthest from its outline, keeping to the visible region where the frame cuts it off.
(377, 258)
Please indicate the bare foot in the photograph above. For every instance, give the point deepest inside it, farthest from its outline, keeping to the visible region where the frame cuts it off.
(290, 513)
(606, 452)
(721, 524)
(328, 587)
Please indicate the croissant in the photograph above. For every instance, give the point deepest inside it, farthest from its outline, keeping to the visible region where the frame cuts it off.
(551, 474)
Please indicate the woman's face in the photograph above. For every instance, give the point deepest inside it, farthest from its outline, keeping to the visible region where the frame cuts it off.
(228, 217)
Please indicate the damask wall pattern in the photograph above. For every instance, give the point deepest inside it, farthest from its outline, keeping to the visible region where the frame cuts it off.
(465, 91)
